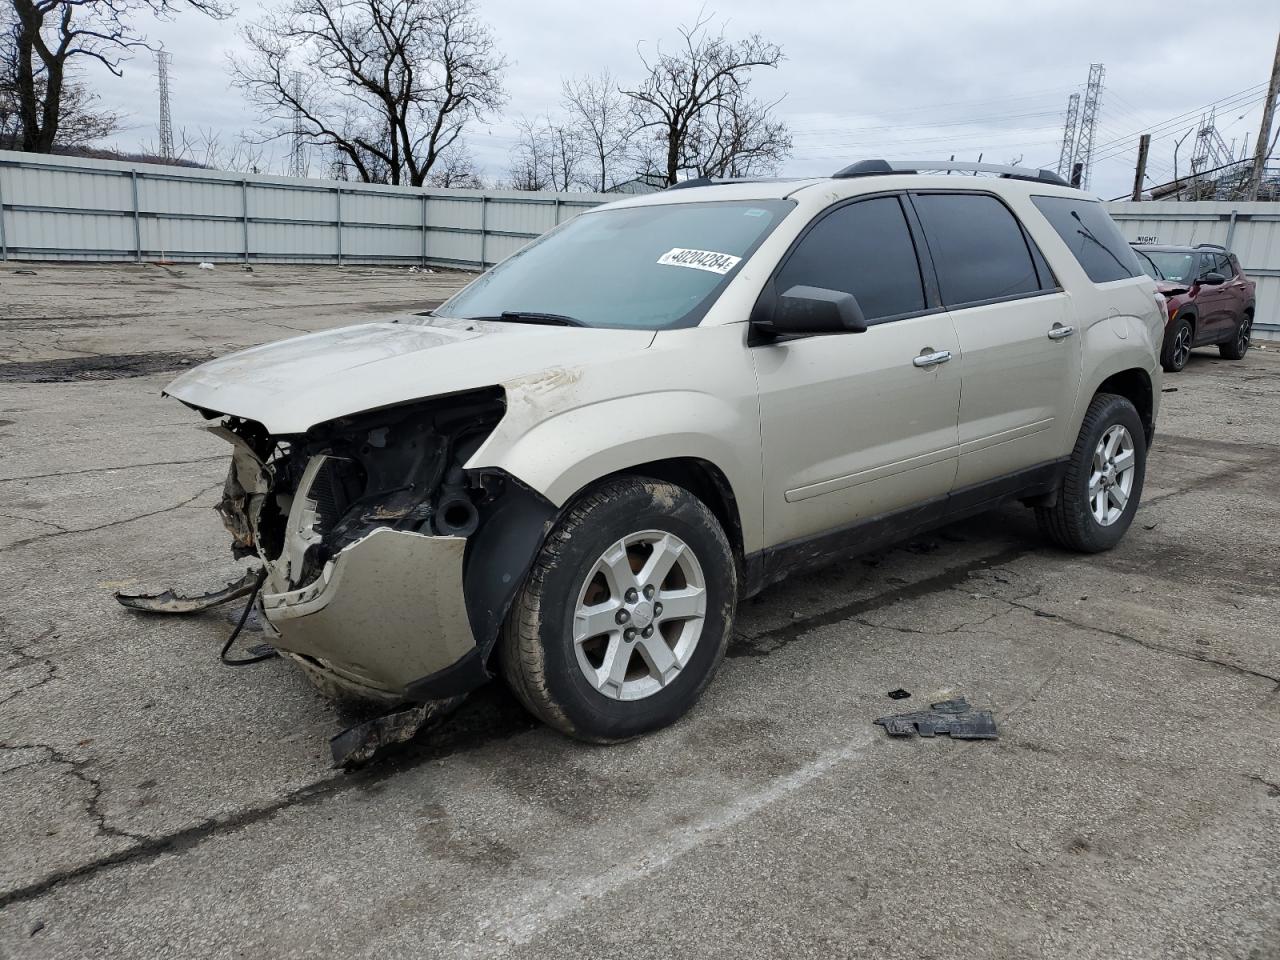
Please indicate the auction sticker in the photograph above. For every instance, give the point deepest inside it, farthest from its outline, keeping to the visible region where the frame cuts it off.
(707, 260)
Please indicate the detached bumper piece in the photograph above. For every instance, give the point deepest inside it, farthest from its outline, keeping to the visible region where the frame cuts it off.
(385, 613)
(167, 601)
(954, 717)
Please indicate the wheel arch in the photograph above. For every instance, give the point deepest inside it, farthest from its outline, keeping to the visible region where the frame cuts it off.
(1134, 384)
(1189, 313)
(704, 480)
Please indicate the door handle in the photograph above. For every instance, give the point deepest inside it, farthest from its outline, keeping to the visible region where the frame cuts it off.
(1059, 332)
(931, 358)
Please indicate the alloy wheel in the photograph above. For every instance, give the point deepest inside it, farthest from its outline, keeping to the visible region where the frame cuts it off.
(1112, 476)
(639, 615)
(1182, 347)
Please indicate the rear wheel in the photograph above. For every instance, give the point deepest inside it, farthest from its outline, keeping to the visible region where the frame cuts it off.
(626, 613)
(1103, 480)
(1238, 345)
(1177, 345)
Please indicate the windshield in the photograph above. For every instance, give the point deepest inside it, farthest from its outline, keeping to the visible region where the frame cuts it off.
(1172, 265)
(648, 267)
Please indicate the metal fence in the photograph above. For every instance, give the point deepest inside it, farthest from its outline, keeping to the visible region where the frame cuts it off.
(1250, 230)
(69, 208)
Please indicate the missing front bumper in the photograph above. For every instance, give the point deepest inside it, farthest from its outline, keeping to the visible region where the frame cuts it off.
(385, 613)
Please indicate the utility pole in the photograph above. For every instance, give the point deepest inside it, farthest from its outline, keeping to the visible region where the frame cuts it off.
(163, 59)
(1144, 144)
(1264, 129)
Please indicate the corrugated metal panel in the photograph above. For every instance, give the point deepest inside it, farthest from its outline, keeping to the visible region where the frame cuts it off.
(1250, 230)
(73, 208)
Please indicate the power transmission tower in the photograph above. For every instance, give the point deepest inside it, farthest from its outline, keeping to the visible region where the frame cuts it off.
(1211, 150)
(1068, 150)
(297, 146)
(1089, 122)
(163, 59)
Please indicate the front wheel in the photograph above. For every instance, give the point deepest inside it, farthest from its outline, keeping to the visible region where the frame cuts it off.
(1102, 484)
(1238, 346)
(626, 613)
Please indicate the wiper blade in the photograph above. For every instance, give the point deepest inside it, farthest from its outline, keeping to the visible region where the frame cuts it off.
(532, 316)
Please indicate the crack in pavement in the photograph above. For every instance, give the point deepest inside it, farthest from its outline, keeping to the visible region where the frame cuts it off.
(113, 523)
(45, 523)
(1149, 644)
(125, 466)
(77, 768)
(454, 734)
(772, 640)
(26, 660)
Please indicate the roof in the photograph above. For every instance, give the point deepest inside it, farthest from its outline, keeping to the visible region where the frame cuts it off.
(866, 176)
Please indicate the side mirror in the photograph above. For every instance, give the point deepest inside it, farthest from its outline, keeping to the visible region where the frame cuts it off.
(816, 310)
(1213, 279)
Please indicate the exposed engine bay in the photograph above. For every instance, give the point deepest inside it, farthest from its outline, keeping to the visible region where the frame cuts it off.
(298, 501)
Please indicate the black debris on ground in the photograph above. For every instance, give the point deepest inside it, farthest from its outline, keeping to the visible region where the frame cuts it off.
(954, 717)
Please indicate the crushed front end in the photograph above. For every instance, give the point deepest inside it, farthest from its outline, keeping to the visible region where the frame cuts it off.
(362, 524)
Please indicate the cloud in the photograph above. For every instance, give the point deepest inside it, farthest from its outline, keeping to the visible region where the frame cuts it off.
(860, 80)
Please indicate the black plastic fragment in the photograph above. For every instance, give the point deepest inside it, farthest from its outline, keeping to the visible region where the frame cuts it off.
(360, 744)
(954, 717)
(898, 694)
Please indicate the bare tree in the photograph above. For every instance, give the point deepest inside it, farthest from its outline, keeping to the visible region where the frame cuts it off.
(82, 120)
(391, 84)
(688, 96)
(598, 111)
(738, 139)
(547, 156)
(456, 169)
(48, 37)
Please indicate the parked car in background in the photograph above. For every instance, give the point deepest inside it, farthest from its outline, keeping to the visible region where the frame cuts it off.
(1211, 301)
(571, 471)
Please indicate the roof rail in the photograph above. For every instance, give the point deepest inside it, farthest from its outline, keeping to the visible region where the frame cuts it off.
(725, 181)
(694, 182)
(871, 168)
(1212, 246)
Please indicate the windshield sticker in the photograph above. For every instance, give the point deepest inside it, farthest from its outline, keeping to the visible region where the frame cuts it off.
(755, 212)
(707, 260)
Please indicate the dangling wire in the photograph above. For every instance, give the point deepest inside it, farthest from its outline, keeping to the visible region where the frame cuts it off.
(244, 618)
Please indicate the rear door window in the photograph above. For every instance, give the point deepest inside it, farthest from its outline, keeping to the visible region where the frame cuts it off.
(1091, 236)
(979, 249)
(1224, 266)
(865, 249)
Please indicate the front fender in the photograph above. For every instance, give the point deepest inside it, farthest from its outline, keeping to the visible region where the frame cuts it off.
(563, 454)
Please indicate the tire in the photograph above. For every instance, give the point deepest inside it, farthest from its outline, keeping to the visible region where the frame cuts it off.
(1238, 346)
(596, 687)
(1071, 521)
(1177, 345)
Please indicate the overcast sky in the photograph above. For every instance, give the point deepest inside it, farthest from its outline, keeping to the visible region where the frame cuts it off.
(899, 80)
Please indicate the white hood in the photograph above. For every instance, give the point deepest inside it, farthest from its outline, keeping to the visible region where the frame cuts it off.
(291, 385)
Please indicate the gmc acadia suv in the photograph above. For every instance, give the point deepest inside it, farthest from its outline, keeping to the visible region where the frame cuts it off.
(573, 470)
(1210, 300)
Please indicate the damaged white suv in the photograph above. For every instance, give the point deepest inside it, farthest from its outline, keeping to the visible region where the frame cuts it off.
(574, 469)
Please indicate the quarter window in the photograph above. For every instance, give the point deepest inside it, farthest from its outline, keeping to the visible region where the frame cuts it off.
(978, 247)
(865, 249)
(1091, 236)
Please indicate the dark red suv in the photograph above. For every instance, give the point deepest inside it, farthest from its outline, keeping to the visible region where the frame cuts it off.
(1210, 300)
